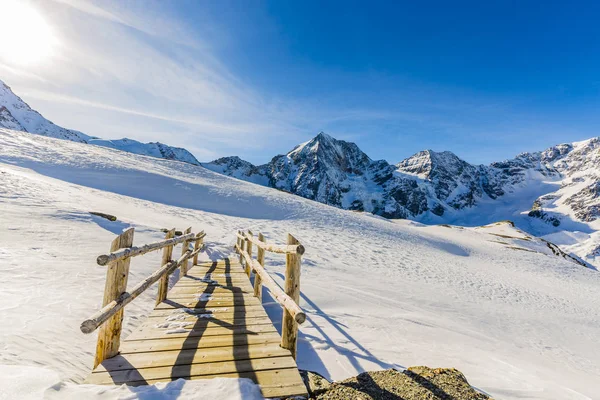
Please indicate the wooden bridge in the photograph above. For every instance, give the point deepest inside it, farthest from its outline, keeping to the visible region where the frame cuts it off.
(210, 324)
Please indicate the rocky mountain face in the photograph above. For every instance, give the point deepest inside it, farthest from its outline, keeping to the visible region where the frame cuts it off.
(338, 173)
(439, 186)
(334, 172)
(17, 115)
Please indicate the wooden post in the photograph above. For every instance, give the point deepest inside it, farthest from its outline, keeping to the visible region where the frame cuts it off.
(185, 247)
(249, 250)
(163, 284)
(260, 257)
(241, 247)
(198, 245)
(289, 327)
(109, 337)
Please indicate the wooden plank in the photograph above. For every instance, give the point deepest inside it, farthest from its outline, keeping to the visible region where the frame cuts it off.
(239, 302)
(224, 321)
(236, 299)
(204, 323)
(213, 280)
(230, 262)
(215, 275)
(196, 334)
(190, 371)
(222, 295)
(274, 383)
(215, 310)
(282, 383)
(201, 271)
(190, 356)
(209, 289)
(170, 343)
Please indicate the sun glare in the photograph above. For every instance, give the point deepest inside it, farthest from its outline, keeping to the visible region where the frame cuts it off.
(26, 38)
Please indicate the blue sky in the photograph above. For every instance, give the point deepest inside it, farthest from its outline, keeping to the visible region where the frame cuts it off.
(484, 79)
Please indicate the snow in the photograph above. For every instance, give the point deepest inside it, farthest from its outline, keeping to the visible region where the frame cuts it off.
(158, 150)
(519, 321)
(47, 385)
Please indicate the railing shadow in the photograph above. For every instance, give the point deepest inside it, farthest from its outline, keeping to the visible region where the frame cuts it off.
(308, 358)
(239, 340)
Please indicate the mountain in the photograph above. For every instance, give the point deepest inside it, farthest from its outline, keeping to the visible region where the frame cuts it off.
(152, 149)
(546, 193)
(17, 115)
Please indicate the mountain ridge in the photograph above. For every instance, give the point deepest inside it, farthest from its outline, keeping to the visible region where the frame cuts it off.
(541, 191)
(17, 115)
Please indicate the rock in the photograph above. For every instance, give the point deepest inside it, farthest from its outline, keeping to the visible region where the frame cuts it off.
(315, 383)
(416, 383)
(103, 215)
(177, 233)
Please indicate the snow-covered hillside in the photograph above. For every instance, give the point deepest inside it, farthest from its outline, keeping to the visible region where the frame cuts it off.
(514, 314)
(16, 114)
(152, 149)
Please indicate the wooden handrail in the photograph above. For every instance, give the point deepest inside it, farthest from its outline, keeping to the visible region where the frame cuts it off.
(273, 248)
(110, 317)
(122, 254)
(101, 316)
(286, 301)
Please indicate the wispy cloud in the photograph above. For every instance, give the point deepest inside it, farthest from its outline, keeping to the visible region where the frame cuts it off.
(133, 69)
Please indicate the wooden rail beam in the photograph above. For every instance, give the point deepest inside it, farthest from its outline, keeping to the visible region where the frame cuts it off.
(273, 248)
(116, 306)
(282, 298)
(133, 251)
(163, 286)
(289, 325)
(109, 337)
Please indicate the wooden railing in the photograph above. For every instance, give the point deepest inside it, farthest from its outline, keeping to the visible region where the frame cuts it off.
(116, 296)
(289, 299)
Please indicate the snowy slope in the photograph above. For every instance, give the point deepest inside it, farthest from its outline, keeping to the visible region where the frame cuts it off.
(494, 302)
(17, 115)
(155, 149)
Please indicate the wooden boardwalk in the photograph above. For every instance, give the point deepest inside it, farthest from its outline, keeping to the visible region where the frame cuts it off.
(210, 325)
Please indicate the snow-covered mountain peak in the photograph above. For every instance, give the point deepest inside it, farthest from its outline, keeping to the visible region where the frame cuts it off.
(16, 114)
(427, 163)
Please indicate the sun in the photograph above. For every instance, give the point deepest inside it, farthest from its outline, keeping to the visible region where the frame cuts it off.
(25, 36)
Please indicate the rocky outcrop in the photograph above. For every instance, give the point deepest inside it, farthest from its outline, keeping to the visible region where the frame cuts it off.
(415, 383)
